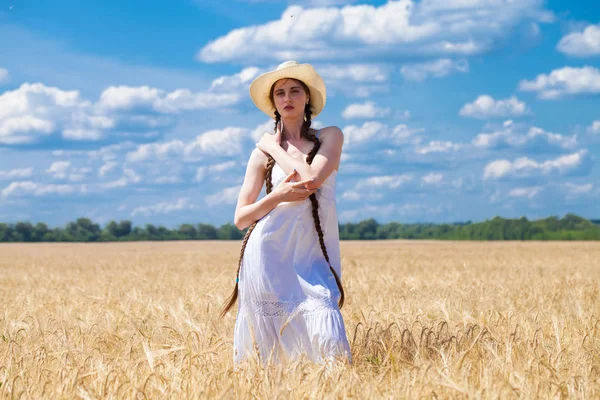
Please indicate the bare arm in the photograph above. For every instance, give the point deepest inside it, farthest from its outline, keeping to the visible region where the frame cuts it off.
(248, 210)
(326, 160)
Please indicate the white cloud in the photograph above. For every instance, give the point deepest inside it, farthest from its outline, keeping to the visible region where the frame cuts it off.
(373, 132)
(58, 169)
(528, 192)
(39, 189)
(564, 81)
(260, 130)
(201, 172)
(227, 141)
(402, 27)
(367, 109)
(432, 178)
(228, 195)
(353, 195)
(518, 136)
(358, 80)
(433, 69)
(354, 73)
(16, 173)
(165, 207)
(385, 182)
(439, 146)
(17, 130)
(573, 190)
(525, 167)
(581, 44)
(236, 82)
(4, 76)
(156, 151)
(167, 180)
(118, 183)
(217, 142)
(486, 107)
(63, 170)
(127, 98)
(106, 168)
(594, 128)
(35, 110)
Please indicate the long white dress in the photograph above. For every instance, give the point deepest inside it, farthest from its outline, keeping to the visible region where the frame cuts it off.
(285, 280)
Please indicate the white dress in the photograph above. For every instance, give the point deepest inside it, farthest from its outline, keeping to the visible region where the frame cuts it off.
(284, 277)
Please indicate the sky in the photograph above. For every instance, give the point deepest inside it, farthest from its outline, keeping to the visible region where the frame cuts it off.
(452, 110)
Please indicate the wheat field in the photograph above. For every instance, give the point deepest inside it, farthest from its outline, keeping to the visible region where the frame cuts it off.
(424, 319)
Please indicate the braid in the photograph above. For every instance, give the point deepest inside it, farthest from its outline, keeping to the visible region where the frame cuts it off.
(269, 187)
(315, 203)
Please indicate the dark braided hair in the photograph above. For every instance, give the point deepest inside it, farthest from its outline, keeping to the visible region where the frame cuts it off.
(309, 135)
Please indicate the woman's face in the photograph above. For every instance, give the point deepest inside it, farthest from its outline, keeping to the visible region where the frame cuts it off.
(289, 98)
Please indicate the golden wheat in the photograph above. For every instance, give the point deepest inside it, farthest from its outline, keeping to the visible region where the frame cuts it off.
(424, 319)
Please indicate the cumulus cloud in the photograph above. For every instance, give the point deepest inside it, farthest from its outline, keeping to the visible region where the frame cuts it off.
(107, 168)
(234, 83)
(205, 170)
(156, 151)
(354, 73)
(367, 109)
(432, 178)
(525, 167)
(523, 137)
(63, 170)
(384, 182)
(227, 195)
(40, 189)
(373, 132)
(58, 169)
(143, 97)
(16, 173)
(439, 146)
(228, 141)
(528, 192)
(563, 82)
(581, 44)
(485, 107)
(594, 128)
(433, 69)
(573, 190)
(401, 27)
(358, 80)
(34, 111)
(4, 76)
(165, 207)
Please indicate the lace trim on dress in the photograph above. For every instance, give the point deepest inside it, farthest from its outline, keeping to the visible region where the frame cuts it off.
(269, 308)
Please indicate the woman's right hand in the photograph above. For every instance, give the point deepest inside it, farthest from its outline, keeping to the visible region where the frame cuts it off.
(293, 191)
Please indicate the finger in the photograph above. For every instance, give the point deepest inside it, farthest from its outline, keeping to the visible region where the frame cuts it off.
(290, 176)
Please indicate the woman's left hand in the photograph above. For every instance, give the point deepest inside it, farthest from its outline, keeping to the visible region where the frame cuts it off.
(270, 140)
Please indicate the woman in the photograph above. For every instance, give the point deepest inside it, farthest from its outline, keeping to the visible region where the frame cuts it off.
(289, 271)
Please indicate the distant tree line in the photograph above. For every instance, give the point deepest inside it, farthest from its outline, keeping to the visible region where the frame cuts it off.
(570, 227)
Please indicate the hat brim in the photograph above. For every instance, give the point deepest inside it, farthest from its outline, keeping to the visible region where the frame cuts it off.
(260, 88)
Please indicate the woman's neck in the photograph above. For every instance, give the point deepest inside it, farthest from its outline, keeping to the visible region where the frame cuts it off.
(292, 129)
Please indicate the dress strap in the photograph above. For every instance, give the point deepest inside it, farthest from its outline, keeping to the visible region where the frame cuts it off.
(318, 133)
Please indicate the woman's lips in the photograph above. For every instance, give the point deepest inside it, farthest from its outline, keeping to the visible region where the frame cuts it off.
(288, 108)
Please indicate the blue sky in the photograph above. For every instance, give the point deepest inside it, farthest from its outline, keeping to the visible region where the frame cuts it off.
(452, 110)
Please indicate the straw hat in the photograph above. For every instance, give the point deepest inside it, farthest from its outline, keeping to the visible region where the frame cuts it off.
(261, 86)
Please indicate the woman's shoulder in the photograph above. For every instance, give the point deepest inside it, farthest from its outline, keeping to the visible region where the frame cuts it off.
(331, 133)
(258, 157)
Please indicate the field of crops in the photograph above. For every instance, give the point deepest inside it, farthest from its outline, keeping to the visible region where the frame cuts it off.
(433, 319)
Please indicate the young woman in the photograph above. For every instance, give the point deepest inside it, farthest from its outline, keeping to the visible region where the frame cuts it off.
(289, 273)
